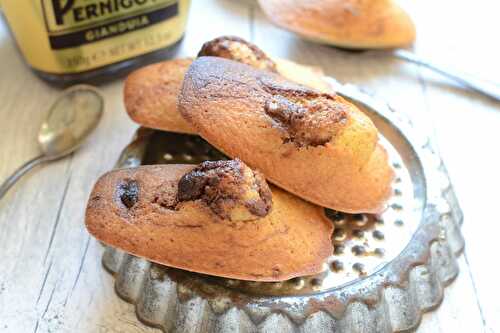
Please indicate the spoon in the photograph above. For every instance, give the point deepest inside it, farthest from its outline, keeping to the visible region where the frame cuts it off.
(486, 88)
(72, 117)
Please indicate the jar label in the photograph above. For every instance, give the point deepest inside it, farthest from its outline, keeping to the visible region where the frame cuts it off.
(70, 36)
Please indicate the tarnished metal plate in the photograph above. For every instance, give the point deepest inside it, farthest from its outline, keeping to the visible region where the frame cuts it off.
(386, 271)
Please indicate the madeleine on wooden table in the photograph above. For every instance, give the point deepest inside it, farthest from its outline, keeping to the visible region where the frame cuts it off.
(357, 24)
(218, 218)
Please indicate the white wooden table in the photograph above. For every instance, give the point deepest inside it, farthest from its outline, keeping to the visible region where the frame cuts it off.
(51, 279)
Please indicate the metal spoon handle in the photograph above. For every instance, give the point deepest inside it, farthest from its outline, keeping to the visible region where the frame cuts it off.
(487, 88)
(7, 184)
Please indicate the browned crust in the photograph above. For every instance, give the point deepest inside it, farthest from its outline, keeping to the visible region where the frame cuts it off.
(344, 23)
(237, 49)
(293, 240)
(226, 102)
(150, 96)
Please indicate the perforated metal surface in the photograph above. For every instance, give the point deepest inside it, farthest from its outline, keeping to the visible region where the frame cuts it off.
(386, 270)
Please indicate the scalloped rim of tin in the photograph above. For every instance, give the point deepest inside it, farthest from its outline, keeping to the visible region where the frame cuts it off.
(391, 299)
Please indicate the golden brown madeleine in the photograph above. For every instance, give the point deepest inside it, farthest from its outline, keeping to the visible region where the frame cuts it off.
(150, 95)
(155, 213)
(370, 185)
(315, 145)
(361, 24)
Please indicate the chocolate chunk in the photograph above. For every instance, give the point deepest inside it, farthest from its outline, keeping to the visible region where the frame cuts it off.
(307, 117)
(128, 192)
(191, 186)
(230, 188)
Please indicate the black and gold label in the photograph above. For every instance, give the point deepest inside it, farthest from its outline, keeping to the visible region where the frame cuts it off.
(73, 23)
(71, 36)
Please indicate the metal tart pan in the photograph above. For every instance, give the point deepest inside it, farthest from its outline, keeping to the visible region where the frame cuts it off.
(386, 271)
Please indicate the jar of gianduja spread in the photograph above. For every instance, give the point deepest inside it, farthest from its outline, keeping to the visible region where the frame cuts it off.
(70, 41)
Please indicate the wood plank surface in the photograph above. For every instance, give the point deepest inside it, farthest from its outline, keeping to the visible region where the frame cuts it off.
(51, 278)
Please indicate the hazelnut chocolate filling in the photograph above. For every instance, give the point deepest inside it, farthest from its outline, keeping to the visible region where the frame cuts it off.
(128, 192)
(238, 49)
(308, 118)
(230, 188)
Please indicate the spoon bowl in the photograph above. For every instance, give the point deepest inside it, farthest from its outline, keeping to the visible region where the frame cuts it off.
(70, 120)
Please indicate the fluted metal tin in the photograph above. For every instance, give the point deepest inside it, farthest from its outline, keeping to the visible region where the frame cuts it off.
(387, 270)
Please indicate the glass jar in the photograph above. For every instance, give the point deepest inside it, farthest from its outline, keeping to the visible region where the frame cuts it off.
(70, 41)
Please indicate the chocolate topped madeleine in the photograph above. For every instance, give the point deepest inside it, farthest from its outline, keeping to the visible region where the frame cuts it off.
(150, 93)
(315, 145)
(170, 214)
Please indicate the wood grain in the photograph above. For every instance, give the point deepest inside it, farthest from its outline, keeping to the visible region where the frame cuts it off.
(51, 278)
